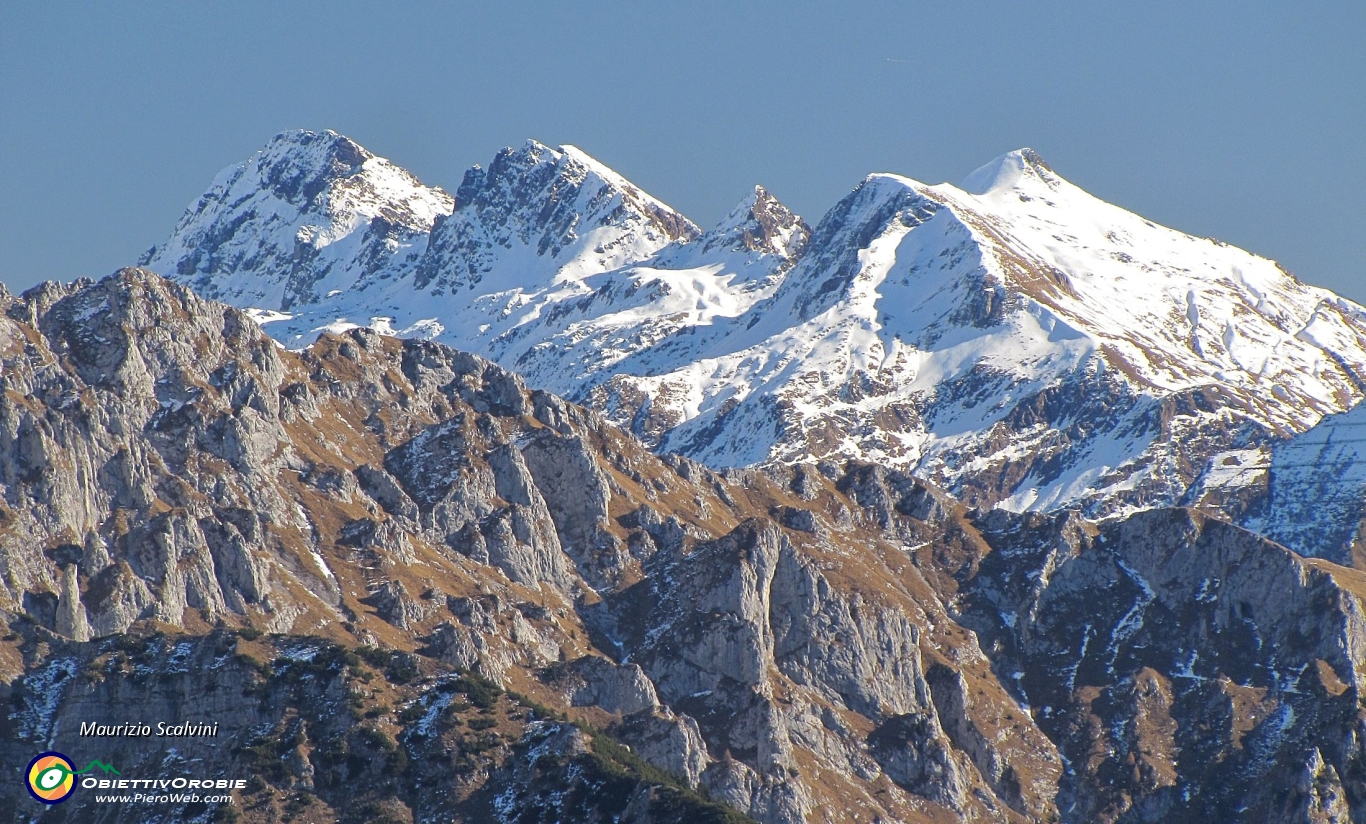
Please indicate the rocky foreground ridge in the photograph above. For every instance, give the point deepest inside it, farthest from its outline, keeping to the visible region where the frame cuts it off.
(409, 588)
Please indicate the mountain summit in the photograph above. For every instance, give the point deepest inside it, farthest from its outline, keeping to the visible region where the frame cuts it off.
(1009, 171)
(309, 215)
(539, 214)
(1014, 339)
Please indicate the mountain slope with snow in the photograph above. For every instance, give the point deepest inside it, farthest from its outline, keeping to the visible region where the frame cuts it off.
(1307, 492)
(310, 215)
(1014, 339)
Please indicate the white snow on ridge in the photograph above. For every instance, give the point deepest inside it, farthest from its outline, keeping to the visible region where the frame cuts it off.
(315, 198)
(1015, 339)
(1186, 311)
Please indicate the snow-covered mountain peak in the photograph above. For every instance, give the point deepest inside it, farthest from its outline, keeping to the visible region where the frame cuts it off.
(329, 174)
(538, 216)
(300, 154)
(674, 222)
(835, 253)
(1012, 170)
(308, 214)
(522, 175)
(880, 186)
(1169, 310)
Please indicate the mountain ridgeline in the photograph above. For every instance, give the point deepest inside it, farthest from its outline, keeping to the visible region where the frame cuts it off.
(540, 503)
(1013, 339)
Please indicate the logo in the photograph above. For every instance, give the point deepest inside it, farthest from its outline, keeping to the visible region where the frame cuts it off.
(52, 776)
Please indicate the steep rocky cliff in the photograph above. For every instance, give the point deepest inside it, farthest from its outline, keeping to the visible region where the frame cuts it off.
(418, 532)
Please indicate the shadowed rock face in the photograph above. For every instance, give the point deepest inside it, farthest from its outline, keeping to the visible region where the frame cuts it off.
(804, 644)
(1186, 668)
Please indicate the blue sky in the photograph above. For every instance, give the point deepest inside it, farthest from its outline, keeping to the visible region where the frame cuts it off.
(1242, 121)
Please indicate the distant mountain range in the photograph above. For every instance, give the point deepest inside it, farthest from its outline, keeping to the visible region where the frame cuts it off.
(1012, 339)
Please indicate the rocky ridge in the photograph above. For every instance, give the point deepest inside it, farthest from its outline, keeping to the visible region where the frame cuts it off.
(831, 642)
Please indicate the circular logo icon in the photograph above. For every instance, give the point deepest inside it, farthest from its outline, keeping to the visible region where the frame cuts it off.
(51, 777)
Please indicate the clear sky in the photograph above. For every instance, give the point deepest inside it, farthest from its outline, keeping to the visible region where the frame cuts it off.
(1237, 120)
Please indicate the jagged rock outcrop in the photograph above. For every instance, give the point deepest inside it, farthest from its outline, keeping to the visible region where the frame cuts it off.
(671, 741)
(397, 493)
(594, 681)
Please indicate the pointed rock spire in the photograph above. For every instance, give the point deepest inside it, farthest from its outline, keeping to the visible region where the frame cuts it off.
(71, 617)
(759, 223)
